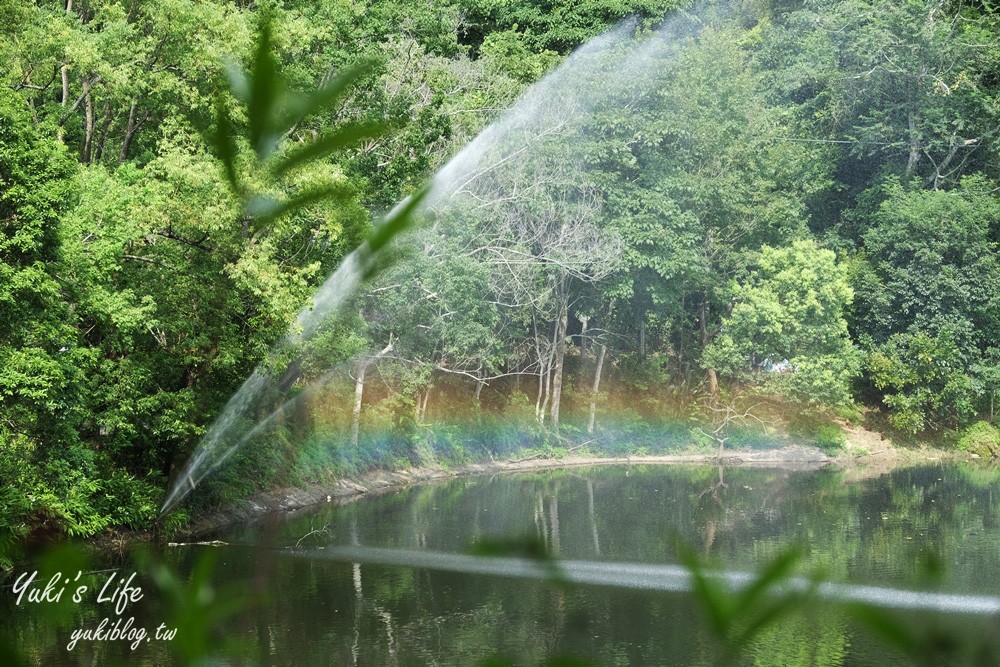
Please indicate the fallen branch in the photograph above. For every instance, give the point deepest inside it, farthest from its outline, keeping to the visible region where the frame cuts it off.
(858, 456)
(312, 532)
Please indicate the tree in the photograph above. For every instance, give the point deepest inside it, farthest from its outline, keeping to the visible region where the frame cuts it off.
(790, 313)
(125, 71)
(37, 342)
(540, 236)
(698, 170)
(437, 304)
(558, 25)
(54, 481)
(929, 310)
(905, 84)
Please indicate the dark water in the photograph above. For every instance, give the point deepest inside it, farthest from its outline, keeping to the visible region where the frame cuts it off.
(928, 528)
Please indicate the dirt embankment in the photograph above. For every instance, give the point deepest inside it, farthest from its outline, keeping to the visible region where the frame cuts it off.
(867, 454)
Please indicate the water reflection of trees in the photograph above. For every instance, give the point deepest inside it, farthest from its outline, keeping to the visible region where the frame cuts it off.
(875, 530)
(871, 530)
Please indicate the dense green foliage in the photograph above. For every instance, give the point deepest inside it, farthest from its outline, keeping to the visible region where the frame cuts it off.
(931, 307)
(790, 308)
(804, 186)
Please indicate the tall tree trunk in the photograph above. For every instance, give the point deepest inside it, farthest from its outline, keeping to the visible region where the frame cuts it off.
(914, 158)
(584, 321)
(542, 369)
(541, 389)
(642, 337)
(706, 338)
(65, 68)
(108, 116)
(713, 381)
(88, 137)
(596, 389)
(550, 356)
(681, 335)
(130, 128)
(479, 404)
(538, 397)
(359, 390)
(560, 358)
(64, 73)
(421, 407)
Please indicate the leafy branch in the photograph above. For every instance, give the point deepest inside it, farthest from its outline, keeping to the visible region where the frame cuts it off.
(274, 111)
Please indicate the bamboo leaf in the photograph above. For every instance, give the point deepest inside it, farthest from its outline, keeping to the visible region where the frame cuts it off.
(771, 613)
(396, 222)
(328, 144)
(713, 598)
(265, 90)
(330, 92)
(238, 81)
(264, 209)
(262, 206)
(776, 571)
(224, 146)
(885, 627)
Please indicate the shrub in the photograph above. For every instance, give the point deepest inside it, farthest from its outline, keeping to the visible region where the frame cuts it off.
(830, 438)
(818, 431)
(981, 438)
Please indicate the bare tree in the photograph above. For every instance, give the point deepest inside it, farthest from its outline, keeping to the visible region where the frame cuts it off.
(725, 415)
(523, 218)
(541, 238)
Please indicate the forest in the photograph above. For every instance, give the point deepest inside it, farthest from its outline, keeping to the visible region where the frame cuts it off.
(792, 203)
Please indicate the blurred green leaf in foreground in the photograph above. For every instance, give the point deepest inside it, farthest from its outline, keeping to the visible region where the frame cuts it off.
(273, 112)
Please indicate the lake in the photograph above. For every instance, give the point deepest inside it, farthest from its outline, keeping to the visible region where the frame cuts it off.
(928, 528)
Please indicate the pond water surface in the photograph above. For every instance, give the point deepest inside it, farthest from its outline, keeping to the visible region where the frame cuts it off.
(929, 528)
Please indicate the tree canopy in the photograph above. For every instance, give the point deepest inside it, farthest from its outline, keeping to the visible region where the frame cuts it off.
(803, 186)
